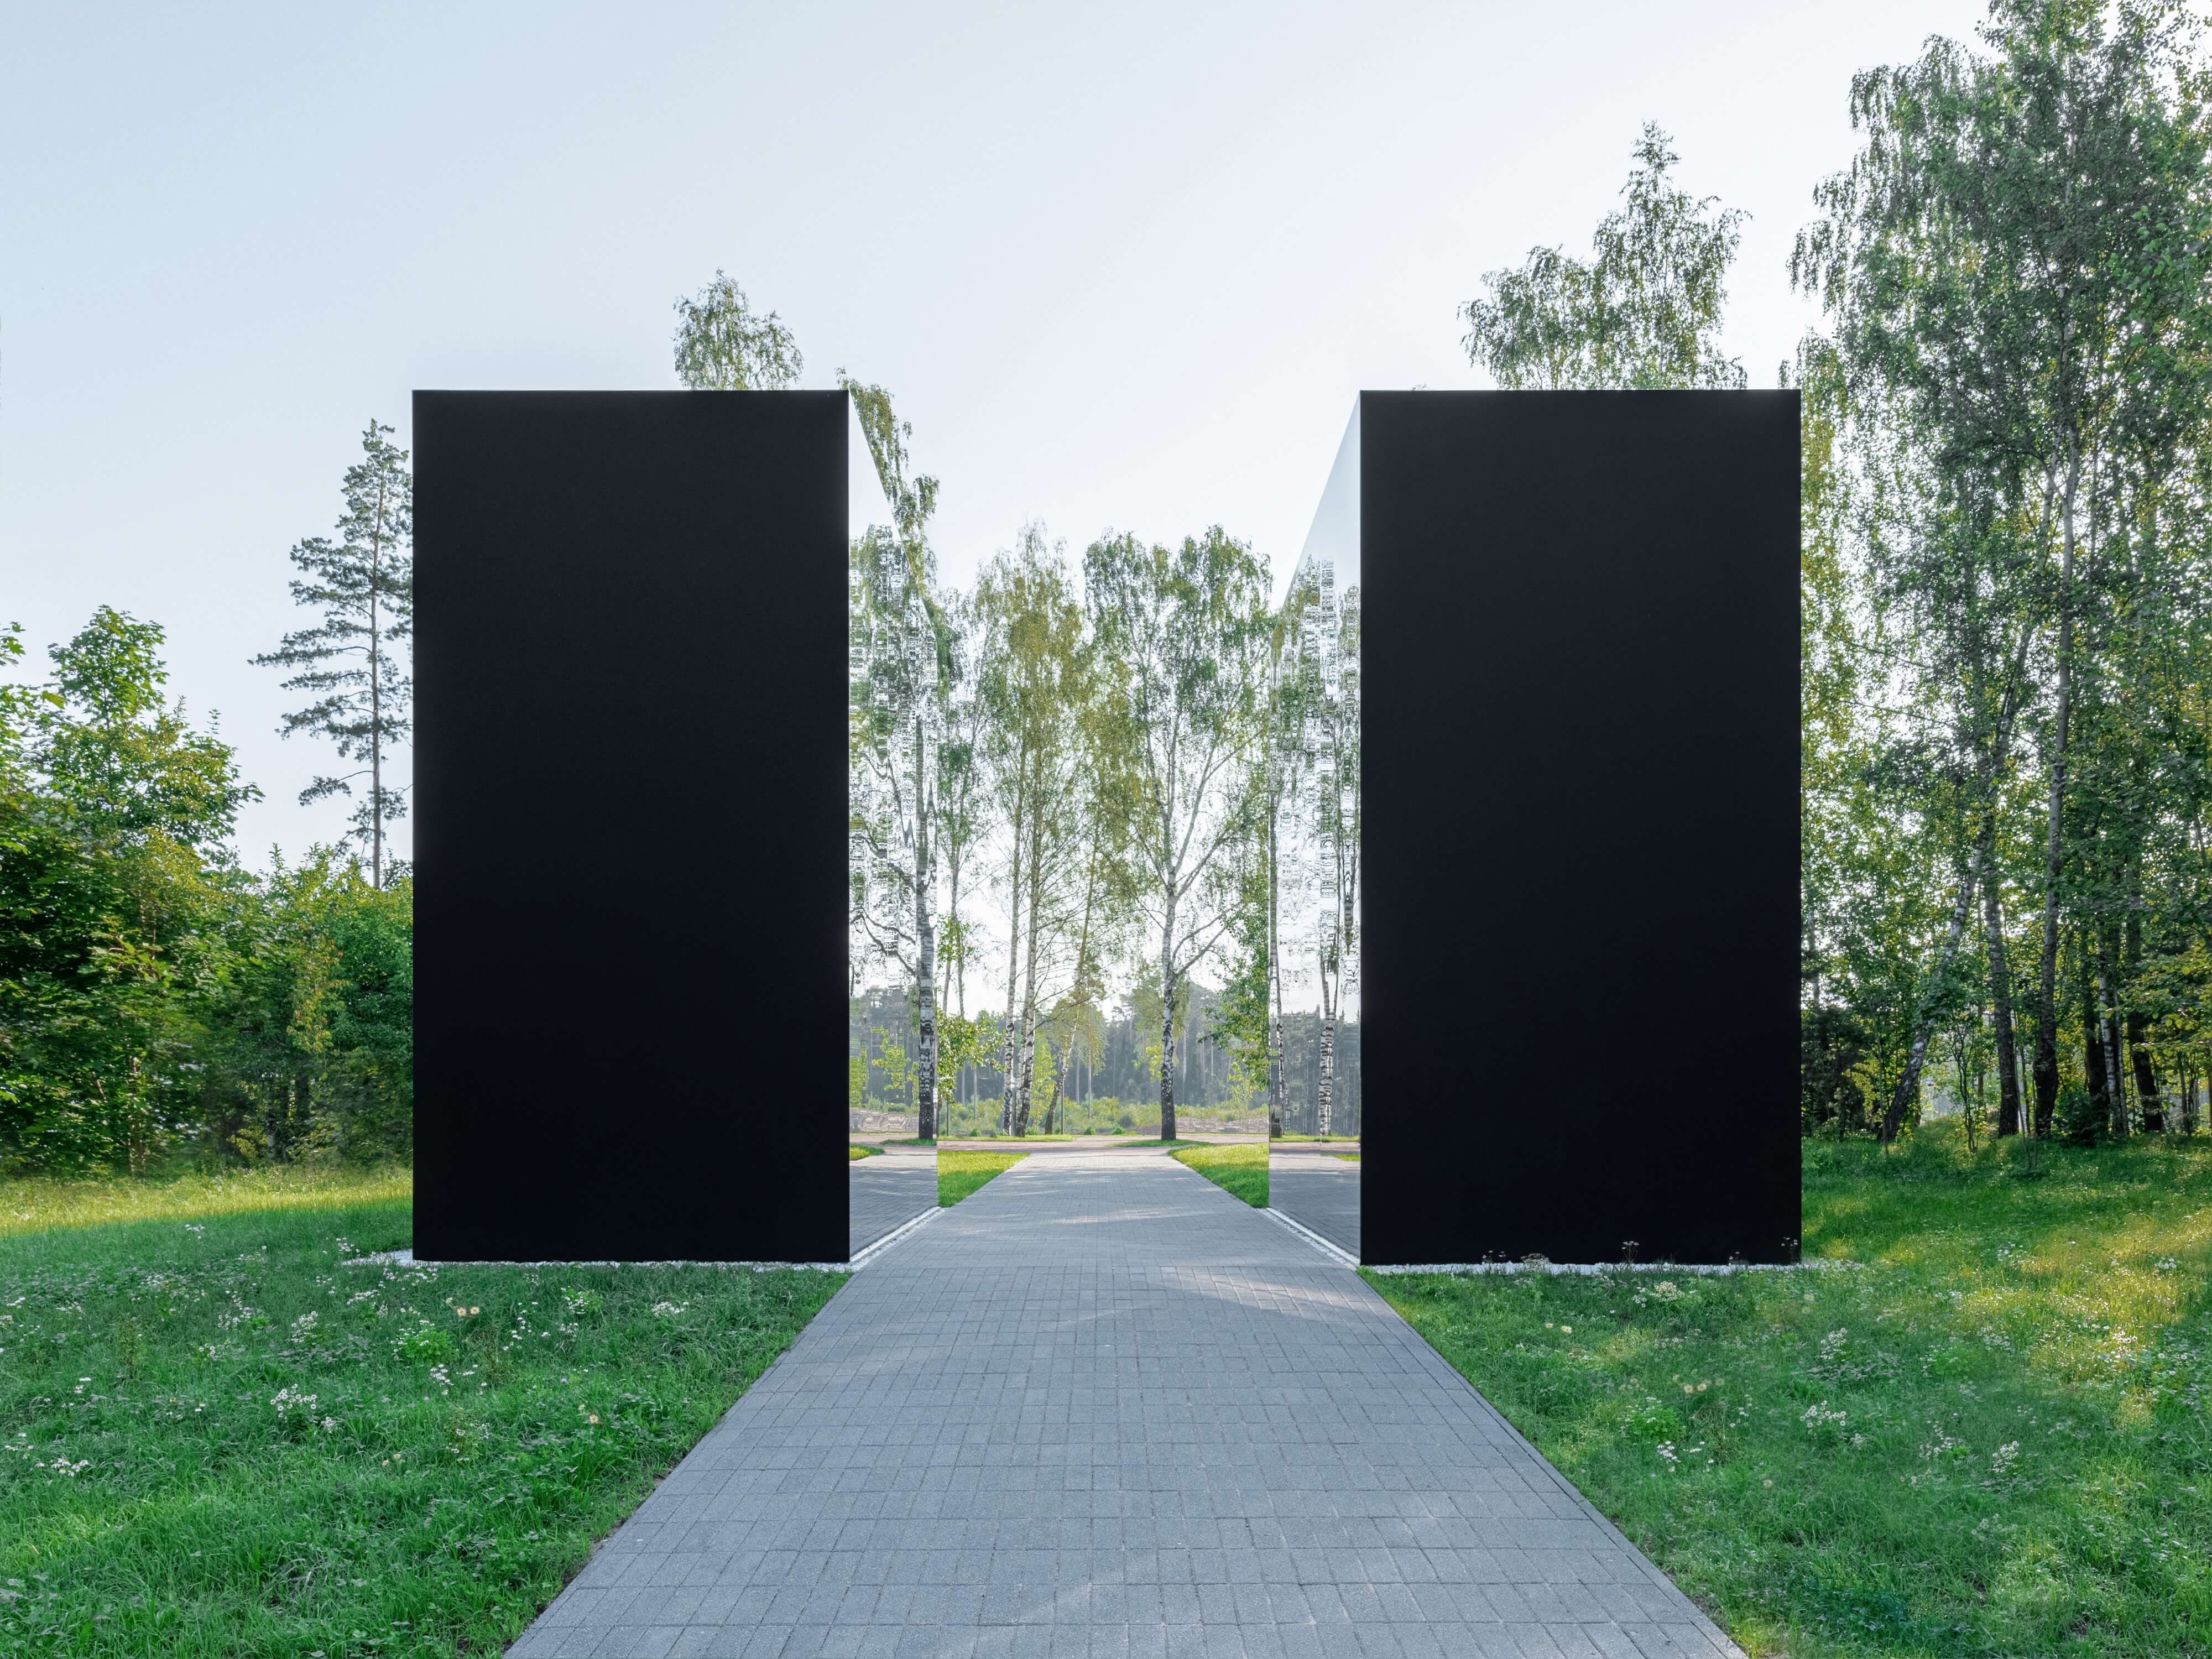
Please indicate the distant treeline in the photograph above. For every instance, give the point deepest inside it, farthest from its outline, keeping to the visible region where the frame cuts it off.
(1123, 1067)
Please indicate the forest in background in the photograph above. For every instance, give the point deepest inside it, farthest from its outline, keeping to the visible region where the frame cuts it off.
(1114, 1079)
(1106, 805)
(157, 997)
(2004, 580)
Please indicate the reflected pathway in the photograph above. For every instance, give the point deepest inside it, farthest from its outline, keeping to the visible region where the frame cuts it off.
(1318, 1190)
(888, 1191)
(1102, 1407)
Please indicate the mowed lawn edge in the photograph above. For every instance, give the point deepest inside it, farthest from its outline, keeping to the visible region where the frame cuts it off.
(1240, 1168)
(220, 1440)
(962, 1174)
(1987, 1438)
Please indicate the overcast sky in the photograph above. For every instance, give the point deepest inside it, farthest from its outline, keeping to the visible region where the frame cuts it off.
(1123, 266)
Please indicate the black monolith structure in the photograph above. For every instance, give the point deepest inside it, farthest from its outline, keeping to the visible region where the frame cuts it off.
(629, 825)
(1580, 957)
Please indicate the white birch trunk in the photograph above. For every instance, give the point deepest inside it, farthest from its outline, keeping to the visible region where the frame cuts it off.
(1167, 1020)
(925, 933)
(2046, 1011)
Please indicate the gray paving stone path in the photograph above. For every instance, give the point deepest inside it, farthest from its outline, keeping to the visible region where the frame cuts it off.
(1319, 1191)
(1103, 1408)
(888, 1191)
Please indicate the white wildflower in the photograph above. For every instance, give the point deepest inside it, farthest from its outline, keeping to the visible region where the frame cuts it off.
(287, 1398)
(1824, 1416)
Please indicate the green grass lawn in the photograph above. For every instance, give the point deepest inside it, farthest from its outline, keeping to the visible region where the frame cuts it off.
(854, 1153)
(1347, 1158)
(1240, 1167)
(959, 1174)
(1994, 1438)
(215, 1440)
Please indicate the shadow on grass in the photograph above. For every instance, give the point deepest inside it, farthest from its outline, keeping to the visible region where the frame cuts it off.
(229, 1441)
(1989, 1439)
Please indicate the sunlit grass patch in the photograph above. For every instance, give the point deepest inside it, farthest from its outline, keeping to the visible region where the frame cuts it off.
(217, 1439)
(960, 1174)
(1991, 1438)
(34, 1204)
(854, 1152)
(1241, 1168)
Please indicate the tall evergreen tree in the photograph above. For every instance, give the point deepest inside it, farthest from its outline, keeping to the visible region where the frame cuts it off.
(364, 583)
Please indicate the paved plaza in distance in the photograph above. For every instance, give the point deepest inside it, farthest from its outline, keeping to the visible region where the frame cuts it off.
(1102, 1407)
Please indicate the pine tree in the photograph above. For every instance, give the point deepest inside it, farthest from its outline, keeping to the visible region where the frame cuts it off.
(364, 585)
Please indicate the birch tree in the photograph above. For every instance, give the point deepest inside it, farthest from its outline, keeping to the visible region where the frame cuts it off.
(1181, 637)
(1645, 312)
(723, 345)
(1325, 757)
(1035, 686)
(2016, 256)
(963, 801)
(899, 642)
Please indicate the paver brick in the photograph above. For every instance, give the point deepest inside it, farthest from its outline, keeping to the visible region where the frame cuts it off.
(1102, 1409)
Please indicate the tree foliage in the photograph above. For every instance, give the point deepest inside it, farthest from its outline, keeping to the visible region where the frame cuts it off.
(156, 1000)
(722, 345)
(2004, 578)
(364, 583)
(1643, 313)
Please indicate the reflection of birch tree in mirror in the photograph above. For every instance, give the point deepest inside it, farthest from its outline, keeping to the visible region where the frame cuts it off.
(1183, 642)
(961, 808)
(1320, 742)
(900, 642)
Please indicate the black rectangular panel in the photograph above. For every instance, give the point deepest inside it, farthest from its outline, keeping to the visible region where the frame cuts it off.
(630, 812)
(1580, 825)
